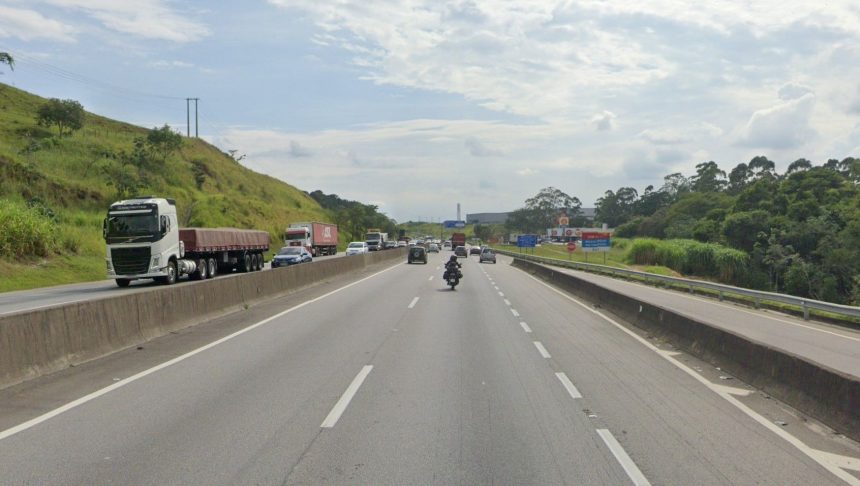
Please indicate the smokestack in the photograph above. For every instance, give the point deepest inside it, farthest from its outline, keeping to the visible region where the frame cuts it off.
(458, 212)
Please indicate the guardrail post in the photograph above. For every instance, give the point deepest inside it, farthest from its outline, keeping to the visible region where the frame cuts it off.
(805, 310)
(691, 288)
(757, 302)
(721, 295)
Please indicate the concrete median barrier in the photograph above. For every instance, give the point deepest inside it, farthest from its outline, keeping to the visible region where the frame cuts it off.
(34, 343)
(827, 395)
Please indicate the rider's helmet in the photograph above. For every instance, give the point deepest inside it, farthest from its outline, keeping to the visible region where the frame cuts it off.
(453, 258)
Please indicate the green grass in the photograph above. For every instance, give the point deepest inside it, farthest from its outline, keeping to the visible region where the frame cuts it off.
(69, 175)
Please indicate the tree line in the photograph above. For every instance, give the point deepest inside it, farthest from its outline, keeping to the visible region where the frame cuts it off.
(354, 218)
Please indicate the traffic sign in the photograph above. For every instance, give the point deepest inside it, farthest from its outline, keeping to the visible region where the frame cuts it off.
(452, 224)
(527, 241)
(571, 246)
(596, 241)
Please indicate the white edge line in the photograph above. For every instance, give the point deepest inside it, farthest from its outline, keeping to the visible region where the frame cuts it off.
(414, 301)
(568, 385)
(525, 327)
(341, 404)
(92, 396)
(797, 443)
(621, 456)
(515, 313)
(542, 350)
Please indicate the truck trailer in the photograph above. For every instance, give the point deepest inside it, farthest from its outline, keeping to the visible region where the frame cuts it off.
(144, 240)
(317, 238)
(458, 239)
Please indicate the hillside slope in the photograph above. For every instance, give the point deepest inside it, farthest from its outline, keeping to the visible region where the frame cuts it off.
(75, 177)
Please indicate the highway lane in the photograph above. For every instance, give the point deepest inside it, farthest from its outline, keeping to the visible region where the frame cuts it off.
(397, 380)
(22, 300)
(833, 346)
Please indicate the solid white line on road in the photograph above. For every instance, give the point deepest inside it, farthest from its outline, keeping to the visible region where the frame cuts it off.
(834, 468)
(341, 404)
(507, 302)
(92, 396)
(515, 313)
(568, 385)
(431, 278)
(542, 350)
(620, 454)
(525, 327)
(414, 301)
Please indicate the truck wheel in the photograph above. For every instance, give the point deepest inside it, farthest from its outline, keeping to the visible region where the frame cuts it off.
(213, 267)
(202, 270)
(246, 263)
(123, 282)
(170, 279)
(258, 262)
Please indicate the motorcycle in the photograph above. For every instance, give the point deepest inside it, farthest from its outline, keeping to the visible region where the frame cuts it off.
(452, 276)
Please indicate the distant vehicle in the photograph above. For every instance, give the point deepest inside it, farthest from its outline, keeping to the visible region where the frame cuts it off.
(401, 244)
(460, 251)
(389, 245)
(318, 238)
(446, 245)
(291, 255)
(434, 248)
(475, 250)
(487, 255)
(458, 239)
(144, 240)
(356, 248)
(417, 254)
(375, 239)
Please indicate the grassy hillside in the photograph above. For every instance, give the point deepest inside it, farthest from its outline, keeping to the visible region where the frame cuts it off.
(72, 179)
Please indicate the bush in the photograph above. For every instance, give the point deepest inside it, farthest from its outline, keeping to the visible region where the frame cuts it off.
(691, 257)
(25, 231)
(643, 251)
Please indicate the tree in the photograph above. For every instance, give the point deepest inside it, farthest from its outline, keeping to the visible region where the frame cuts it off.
(709, 178)
(483, 232)
(762, 167)
(548, 204)
(675, 184)
(6, 58)
(739, 178)
(64, 114)
(616, 208)
(524, 220)
(163, 142)
(798, 165)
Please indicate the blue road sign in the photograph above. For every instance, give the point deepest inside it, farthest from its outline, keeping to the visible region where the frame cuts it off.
(527, 241)
(452, 224)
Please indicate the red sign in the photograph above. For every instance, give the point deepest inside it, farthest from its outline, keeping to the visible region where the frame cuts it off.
(571, 246)
(595, 236)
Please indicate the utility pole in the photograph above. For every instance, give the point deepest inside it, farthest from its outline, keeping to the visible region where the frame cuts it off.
(188, 118)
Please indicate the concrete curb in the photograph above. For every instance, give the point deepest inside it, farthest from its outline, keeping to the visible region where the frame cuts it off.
(38, 342)
(826, 394)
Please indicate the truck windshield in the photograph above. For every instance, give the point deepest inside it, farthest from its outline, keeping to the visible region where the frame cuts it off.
(373, 237)
(295, 236)
(290, 251)
(127, 225)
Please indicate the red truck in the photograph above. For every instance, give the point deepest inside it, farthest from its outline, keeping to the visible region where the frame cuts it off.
(318, 238)
(458, 239)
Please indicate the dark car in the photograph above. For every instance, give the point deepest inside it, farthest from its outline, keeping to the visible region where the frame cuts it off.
(460, 251)
(291, 255)
(475, 250)
(417, 254)
(487, 255)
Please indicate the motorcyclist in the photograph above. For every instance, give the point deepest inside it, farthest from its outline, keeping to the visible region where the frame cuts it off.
(451, 265)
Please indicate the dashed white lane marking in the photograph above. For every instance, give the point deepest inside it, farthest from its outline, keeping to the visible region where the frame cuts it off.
(431, 278)
(515, 313)
(501, 294)
(437, 268)
(507, 302)
(542, 350)
(496, 287)
(341, 404)
(568, 385)
(414, 301)
(822, 458)
(621, 456)
(104, 391)
(525, 327)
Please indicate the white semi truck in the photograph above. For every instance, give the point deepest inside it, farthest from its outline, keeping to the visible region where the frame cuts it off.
(144, 241)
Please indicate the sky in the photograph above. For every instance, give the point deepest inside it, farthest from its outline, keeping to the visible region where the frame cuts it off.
(416, 105)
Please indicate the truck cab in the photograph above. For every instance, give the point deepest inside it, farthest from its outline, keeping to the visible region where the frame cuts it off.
(142, 237)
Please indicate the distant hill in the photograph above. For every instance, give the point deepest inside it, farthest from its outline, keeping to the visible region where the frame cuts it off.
(73, 179)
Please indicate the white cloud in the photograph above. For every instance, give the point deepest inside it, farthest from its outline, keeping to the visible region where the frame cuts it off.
(782, 126)
(29, 25)
(528, 171)
(679, 135)
(792, 91)
(148, 19)
(479, 149)
(297, 150)
(162, 64)
(604, 121)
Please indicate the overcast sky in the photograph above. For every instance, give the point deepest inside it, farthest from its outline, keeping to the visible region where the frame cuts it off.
(417, 105)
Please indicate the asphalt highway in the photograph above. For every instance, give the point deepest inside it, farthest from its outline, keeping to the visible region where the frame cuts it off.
(22, 300)
(392, 378)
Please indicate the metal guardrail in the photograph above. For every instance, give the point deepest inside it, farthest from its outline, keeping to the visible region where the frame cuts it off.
(757, 295)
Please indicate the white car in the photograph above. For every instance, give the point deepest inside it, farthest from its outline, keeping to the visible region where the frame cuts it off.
(356, 248)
